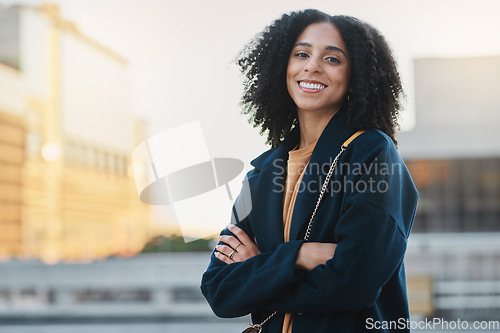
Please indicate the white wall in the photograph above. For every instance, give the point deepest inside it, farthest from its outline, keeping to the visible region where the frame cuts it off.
(11, 82)
(458, 109)
(34, 53)
(12, 96)
(95, 97)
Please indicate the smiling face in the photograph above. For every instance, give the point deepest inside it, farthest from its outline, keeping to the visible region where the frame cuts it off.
(318, 71)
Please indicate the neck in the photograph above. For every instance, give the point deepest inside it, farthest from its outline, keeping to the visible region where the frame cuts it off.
(312, 124)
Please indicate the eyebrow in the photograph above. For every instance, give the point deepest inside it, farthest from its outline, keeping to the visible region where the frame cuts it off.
(328, 48)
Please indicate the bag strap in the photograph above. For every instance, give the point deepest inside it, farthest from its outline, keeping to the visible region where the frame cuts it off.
(327, 180)
(258, 327)
(354, 136)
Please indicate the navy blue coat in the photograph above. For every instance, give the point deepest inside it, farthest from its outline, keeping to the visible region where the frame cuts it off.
(363, 286)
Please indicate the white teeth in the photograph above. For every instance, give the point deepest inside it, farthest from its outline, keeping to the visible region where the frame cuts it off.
(312, 85)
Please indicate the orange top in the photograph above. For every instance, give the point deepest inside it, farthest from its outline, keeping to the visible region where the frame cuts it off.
(297, 162)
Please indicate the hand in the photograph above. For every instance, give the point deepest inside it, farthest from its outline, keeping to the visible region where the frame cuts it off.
(314, 254)
(242, 246)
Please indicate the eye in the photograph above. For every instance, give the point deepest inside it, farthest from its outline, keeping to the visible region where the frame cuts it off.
(301, 55)
(332, 60)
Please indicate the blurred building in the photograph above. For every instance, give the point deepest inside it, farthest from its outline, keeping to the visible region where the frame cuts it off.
(66, 133)
(12, 151)
(454, 150)
(453, 154)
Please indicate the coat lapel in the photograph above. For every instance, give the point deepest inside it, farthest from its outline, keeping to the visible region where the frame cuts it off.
(268, 184)
(327, 147)
(267, 188)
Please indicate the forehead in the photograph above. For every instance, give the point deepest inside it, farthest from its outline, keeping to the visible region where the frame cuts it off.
(321, 34)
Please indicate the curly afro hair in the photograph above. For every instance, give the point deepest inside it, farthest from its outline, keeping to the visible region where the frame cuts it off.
(375, 85)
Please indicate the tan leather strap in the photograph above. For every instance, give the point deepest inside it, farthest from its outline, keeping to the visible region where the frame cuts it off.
(354, 136)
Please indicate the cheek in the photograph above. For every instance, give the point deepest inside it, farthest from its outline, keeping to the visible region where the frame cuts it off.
(347, 76)
(342, 78)
(289, 89)
(289, 74)
(289, 79)
(293, 67)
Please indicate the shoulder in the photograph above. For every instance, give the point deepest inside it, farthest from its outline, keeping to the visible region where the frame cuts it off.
(373, 143)
(372, 158)
(375, 138)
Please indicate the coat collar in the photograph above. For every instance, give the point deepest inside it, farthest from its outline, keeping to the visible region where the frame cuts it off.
(268, 185)
(327, 147)
(335, 132)
(267, 158)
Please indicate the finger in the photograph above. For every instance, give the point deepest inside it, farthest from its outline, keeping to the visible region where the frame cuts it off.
(224, 249)
(242, 236)
(223, 258)
(230, 240)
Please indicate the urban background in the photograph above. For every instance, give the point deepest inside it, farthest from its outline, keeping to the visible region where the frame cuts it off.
(79, 252)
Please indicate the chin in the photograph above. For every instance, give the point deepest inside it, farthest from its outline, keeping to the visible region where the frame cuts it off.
(310, 108)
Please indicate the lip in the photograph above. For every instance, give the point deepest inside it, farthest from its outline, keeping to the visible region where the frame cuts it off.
(308, 90)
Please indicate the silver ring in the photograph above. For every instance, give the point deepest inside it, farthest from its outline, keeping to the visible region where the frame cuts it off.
(231, 255)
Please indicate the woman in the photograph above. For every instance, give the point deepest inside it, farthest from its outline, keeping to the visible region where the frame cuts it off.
(315, 80)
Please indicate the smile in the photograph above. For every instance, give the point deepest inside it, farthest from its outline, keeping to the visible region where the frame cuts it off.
(311, 86)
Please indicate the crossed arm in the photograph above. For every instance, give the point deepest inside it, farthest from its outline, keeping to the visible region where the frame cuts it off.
(307, 277)
(309, 256)
(301, 276)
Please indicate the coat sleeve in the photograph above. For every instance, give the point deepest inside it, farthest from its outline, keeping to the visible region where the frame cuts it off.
(240, 288)
(371, 236)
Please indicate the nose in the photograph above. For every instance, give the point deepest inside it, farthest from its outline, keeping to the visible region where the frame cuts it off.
(313, 65)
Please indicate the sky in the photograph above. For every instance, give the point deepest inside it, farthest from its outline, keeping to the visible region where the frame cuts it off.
(181, 52)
